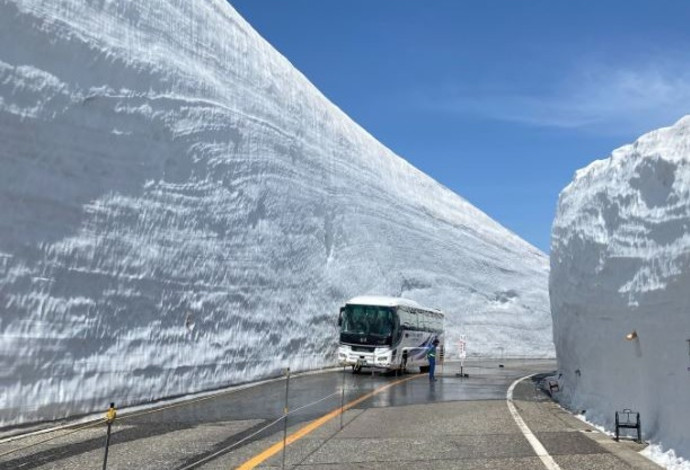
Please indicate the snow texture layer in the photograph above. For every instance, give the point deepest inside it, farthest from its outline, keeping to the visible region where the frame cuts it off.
(620, 262)
(181, 209)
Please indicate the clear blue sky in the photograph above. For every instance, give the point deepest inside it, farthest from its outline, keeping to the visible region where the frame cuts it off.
(501, 101)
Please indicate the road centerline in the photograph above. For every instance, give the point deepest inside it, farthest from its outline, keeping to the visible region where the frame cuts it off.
(317, 423)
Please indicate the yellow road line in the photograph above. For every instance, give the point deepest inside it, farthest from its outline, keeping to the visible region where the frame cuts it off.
(317, 423)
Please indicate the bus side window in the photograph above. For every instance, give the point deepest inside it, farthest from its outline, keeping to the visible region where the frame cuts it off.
(422, 321)
(408, 319)
(432, 324)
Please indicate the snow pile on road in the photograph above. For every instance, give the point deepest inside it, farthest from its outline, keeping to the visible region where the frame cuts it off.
(620, 263)
(181, 209)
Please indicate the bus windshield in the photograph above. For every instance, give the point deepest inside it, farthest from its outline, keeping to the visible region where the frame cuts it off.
(368, 320)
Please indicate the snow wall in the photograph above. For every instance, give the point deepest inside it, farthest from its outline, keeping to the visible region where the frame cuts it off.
(620, 262)
(181, 209)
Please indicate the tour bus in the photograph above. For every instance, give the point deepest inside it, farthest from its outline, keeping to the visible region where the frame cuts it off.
(387, 333)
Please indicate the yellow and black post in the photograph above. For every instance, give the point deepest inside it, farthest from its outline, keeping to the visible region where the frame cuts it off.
(110, 416)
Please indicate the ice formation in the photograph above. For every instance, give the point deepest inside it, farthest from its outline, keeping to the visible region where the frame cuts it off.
(181, 209)
(620, 263)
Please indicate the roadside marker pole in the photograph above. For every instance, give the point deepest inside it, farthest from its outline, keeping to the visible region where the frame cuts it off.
(109, 419)
(285, 413)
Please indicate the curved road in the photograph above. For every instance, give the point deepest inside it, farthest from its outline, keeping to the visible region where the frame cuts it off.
(388, 422)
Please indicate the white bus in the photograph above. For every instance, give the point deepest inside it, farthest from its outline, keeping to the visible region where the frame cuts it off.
(387, 333)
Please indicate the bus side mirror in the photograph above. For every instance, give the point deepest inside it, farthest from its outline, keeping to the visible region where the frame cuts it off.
(340, 317)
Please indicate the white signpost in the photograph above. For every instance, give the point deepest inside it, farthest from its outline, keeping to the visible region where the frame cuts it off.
(462, 353)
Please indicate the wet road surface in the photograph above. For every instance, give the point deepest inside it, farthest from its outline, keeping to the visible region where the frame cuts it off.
(452, 423)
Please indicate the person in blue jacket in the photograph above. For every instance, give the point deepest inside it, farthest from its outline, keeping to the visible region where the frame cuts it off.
(431, 356)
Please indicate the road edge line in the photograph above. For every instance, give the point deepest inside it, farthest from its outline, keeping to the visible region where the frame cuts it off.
(536, 444)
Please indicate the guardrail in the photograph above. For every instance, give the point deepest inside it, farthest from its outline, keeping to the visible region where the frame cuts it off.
(45, 445)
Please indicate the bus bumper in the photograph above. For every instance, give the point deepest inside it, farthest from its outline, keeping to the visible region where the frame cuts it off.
(365, 360)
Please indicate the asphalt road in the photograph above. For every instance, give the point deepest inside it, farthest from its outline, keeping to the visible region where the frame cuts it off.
(388, 422)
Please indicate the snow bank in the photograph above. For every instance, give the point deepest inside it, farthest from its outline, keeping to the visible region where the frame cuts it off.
(180, 209)
(667, 460)
(620, 262)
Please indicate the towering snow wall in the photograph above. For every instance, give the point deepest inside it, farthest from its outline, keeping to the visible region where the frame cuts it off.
(180, 209)
(620, 262)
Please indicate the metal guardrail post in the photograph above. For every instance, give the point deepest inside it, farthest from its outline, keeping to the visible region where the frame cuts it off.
(342, 399)
(285, 414)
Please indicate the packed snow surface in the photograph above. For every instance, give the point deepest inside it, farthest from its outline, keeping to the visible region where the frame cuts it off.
(620, 263)
(181, 209)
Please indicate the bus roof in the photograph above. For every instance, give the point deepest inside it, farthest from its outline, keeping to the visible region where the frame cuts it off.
(387, 302)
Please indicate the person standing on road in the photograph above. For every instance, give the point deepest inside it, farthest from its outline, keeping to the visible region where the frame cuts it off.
(431, 356)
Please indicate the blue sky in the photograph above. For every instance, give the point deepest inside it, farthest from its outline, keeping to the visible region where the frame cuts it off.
(501, 101)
